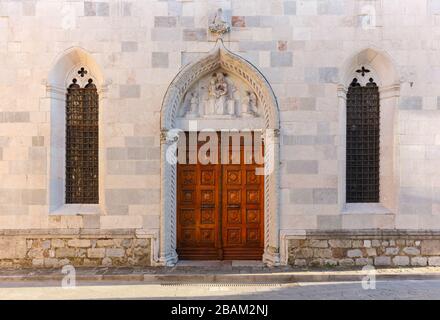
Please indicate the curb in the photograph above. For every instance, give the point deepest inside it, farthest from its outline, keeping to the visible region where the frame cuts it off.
(257, 278)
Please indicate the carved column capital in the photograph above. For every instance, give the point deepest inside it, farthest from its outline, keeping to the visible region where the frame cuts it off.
(270, 134)
(167, 138)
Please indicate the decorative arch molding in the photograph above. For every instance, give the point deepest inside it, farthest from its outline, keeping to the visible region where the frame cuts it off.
(219, 58)
(64, 66)
(383, 71)
(63, 70)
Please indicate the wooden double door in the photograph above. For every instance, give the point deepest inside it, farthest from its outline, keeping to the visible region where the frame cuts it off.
(220, 208)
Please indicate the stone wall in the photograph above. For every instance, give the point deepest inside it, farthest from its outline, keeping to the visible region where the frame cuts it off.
(306, 50)
(384, 249)
(49, 249)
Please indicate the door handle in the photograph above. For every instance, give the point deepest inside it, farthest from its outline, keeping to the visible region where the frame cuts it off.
(234, 206)
(208, 206)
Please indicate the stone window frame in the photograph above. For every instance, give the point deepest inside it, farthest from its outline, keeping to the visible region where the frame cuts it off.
(385, 75)
(219, 57)
(60, 77)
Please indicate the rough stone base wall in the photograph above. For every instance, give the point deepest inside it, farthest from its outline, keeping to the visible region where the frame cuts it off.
(388, 249)
(51, 250)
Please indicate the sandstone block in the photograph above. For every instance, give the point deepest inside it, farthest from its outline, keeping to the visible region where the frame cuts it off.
(115, 252)
(79, 243)
(411, 251)
(340, 243)
(38, 262)
(434, 261)
(303, 253)
(419, 261)
(363, 261)
(318, 243)
(371, 252)
(322, 253)
(141, 242)
(65, 253)
(346, 262)
(401, 261)
(51, 262)
(382, 261)
(330, 262)
(104, 243)
(356, 253)
(57, 243)
(96, 253)
(431, 247)
(107, 261)
(391, 251)
(357, 244)
(375, 243)
(12, 248)
(300, 262)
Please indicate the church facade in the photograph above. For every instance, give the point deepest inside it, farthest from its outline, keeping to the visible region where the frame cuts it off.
(294, 132)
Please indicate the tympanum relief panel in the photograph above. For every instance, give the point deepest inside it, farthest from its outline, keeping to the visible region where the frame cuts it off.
(220, 96)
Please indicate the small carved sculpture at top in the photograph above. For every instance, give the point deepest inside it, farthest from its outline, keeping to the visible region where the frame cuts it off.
(219, 25)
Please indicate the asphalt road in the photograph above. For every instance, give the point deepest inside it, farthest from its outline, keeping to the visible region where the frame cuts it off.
(395, 289)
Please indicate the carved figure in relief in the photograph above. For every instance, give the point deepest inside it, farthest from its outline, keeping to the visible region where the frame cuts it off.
(218, 97)
(221, 94)
(212, 96)
(249, 105)
(194, 105)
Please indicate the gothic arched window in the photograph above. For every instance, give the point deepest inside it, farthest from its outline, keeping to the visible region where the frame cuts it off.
(363, 137)
(82, 142)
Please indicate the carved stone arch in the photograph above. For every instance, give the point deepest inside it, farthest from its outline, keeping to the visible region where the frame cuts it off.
(64, 64)
(60, 76)
(383, 71)
(220, 58)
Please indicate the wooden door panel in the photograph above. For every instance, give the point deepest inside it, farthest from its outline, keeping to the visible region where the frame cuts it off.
(198, 212)
(220, 210)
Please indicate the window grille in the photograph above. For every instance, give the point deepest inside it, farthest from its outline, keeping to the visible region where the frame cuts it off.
(82, 143)
(363, 136)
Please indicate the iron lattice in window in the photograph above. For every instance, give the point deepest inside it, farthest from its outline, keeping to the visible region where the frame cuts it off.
(363, 136)
(82, 143)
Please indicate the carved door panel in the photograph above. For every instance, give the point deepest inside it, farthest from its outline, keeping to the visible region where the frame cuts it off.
(220, 211)
(198, 212)
(242, 208)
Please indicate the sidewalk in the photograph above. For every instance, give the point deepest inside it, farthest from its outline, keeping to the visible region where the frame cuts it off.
(217, 273)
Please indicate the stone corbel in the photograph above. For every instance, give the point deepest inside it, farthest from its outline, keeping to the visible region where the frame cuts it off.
(342, 91)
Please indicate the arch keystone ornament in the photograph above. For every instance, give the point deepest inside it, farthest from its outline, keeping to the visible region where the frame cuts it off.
(219, 58)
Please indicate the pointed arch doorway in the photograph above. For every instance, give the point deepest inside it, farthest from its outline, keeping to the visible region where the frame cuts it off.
(222, 91)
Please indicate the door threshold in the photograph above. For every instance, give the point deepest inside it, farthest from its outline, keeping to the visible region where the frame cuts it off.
(220, 263)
